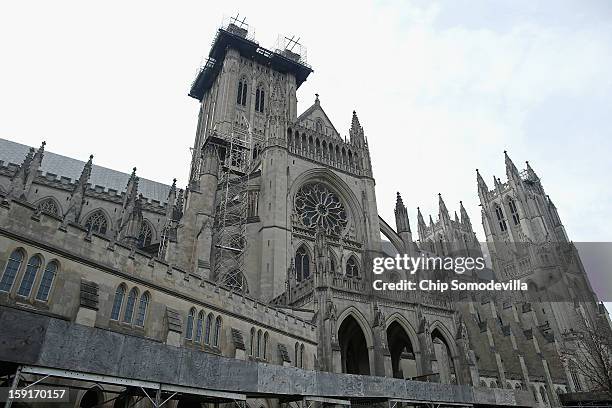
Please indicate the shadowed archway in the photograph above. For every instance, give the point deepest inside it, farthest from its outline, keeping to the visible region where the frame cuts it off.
(444, 360)
(92, 398)
(353, 347)
(403, 360)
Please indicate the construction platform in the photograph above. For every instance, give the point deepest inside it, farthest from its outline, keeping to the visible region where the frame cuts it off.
(41, 345)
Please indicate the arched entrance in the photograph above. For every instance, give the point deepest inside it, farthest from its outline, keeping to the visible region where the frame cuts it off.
(353, 347)
(91, 398)
(444, 359)
(403, 359)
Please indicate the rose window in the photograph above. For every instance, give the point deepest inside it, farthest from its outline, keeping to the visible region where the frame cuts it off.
(317, 206)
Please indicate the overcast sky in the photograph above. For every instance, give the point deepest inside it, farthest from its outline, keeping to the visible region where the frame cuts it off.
(441, 88)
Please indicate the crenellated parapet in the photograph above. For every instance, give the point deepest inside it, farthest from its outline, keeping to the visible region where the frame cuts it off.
(330, 150)
(89, 256)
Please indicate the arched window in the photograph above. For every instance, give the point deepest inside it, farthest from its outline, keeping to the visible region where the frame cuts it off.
(242, 92)
(258, 343)
(302, 264)
(217, 331)
(47, 281)
(97, 222)
(319, 125)
(129, 306)
(297, 354)
(500, 218)
(260, 96)
(252, 341)
(142, 309)
(48, 206)
(265, 346)
(352, 269)
(198, 335)
(146, 235)
(513, 211)
(189, 329)
(209, 320)
(11, 269)
(302, 356)
(29, 276)
(119, 294)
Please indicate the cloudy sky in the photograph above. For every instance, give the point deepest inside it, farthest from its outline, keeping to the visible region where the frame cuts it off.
(441, 88)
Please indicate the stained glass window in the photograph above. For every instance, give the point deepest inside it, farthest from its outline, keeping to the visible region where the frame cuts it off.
(318, 207)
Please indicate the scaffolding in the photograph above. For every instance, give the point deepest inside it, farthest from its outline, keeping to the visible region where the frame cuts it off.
(231, 212)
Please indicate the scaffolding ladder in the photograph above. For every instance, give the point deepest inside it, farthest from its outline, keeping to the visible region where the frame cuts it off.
(229, 232)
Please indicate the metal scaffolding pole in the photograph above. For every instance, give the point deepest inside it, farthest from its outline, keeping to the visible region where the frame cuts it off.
(229, 234)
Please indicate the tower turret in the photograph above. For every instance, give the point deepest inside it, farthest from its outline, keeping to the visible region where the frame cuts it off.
(443, 211)
(421, 225)
(511, 171)
(465, 218)
(402, 222)
(483, 190)
(356, 132)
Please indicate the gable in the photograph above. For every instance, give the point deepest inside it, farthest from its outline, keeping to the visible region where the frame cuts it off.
(316, 119)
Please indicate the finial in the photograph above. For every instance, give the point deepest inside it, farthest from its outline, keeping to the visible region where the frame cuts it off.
(317, 99)
(91, 156)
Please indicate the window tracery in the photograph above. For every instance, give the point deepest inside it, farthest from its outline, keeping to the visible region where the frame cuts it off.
(97, 222)
(48, 206)
(318, 207)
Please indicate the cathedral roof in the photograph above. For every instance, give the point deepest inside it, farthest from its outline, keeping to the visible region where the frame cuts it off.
(62, 166)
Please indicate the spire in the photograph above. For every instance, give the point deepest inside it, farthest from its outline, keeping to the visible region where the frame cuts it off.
(511, 171)
(26, 173)
(483, 189)
(443, 211)
(465, 219)
(456, 217)
(134, 222)
(421, 224)
(129, 201)
(77, 198)
(532, 174)
(171, 200)
(497, 183)
(356, 131)
(402, 222)
(178, 206)
(431, 223)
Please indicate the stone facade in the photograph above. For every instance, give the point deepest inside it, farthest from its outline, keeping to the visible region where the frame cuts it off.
(144, 260)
